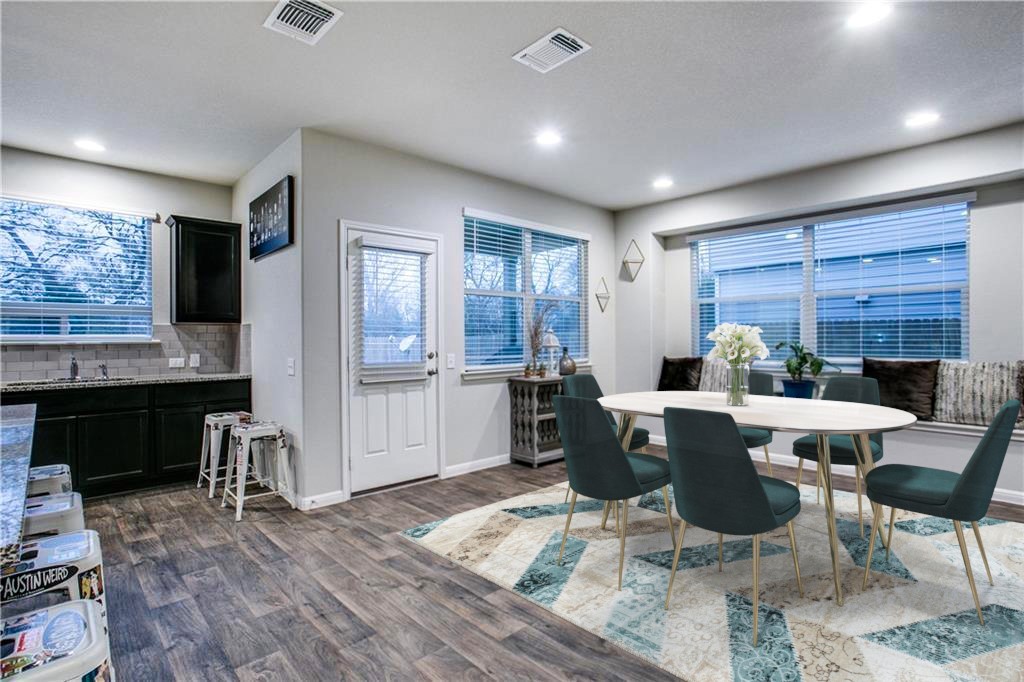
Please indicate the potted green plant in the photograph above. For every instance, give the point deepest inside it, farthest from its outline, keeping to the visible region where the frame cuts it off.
(802, 360)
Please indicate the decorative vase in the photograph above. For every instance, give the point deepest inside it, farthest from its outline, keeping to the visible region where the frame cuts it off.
(804, 388)
(737, 391)
(566, 365)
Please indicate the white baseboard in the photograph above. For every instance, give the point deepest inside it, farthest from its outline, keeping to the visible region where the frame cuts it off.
(321, 500)
(1005, 495)
(475, 465)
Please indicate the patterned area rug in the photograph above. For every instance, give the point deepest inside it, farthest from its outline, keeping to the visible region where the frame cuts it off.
(915, 621)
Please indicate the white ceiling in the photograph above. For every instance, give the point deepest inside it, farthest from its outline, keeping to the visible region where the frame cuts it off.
(710, 93)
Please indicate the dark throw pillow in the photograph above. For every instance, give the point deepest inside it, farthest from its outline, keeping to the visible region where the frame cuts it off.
(905, 384)
(680, 374)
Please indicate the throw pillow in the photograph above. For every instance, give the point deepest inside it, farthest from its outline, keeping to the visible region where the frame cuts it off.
(680, 374)
(907, 385)
(972, 392)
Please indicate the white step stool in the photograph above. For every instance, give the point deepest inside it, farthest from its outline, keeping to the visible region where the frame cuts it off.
(49, 479)
(52, 515)
(62, 643)
(213, 430)
(68, 565)
(244, 470)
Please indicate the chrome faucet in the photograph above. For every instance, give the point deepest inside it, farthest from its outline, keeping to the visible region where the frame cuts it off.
(103, 370)
(74, 367)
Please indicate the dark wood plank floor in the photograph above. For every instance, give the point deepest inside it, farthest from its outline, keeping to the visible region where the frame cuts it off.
(331, 594)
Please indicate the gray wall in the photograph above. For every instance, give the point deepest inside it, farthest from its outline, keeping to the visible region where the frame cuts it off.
(345, 179)
(272, 300)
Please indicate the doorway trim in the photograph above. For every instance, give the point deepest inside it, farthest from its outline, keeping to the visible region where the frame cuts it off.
(344, 227)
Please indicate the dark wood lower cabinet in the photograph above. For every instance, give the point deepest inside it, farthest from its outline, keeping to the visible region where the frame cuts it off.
(118, 439)
(113, 449)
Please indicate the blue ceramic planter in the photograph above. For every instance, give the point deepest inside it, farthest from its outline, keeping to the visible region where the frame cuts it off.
(798, 389)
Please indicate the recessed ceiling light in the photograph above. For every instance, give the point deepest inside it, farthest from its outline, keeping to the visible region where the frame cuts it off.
(663, 182)
(868, 13)
(90, 145)
(792, 235)
(920, 119)
(548, 138)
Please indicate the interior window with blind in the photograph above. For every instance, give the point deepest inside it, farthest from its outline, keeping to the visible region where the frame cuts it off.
(511, 273)
(890, 285)
(73, 273)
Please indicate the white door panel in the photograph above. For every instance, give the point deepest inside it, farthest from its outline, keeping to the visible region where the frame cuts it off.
(392, 291)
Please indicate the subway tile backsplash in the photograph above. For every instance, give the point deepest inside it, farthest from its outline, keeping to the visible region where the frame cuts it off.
(222, 348)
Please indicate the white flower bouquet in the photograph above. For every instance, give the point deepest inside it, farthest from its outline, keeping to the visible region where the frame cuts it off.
(738, 345)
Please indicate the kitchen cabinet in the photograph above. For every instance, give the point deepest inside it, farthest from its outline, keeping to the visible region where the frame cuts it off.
(120, 438)
(206, 270)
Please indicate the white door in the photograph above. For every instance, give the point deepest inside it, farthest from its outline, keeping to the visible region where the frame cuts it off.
(392, 357)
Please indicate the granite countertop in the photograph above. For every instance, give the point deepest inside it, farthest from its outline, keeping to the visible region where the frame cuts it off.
(70, 384)
(17, 424)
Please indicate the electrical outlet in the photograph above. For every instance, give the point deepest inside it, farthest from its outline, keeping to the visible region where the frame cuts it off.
(175, 362)
(193, 360)
(451, 361)
(291, 367)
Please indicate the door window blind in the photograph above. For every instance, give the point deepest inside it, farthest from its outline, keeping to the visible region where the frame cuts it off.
(389, 314)
(72, 273)
(510, 274)
(888, 284)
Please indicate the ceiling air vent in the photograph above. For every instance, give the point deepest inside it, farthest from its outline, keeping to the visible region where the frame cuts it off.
(554, 49)
(305, 20)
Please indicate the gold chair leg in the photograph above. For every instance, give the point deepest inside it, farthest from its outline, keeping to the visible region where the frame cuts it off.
(675, 560)
(668, 514)
(871, 546)
(796, 560)
(967, 565)
(643, 450)
(568, 520)
(977, 536)
(604, 516)
(757, 570)
(719, 552)
(860, 511)
(799, 472)
(817, 498)
(768, 461)
(567, 490)
(892, 522)
(622, 538)
(617, 524)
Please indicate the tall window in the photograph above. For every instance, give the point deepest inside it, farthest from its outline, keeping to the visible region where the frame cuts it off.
(885, 285)
(510, 274)
(70, 273)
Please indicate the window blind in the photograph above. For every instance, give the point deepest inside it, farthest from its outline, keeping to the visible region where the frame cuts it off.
(71, 273)
(885, 284)
(510, 274)
(389, 314)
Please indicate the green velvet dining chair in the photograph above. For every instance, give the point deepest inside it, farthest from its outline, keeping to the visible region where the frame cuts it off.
(586, 386)
(760, 383)
(599, 468)
(963, 497)
(841, 448)
(718, 489)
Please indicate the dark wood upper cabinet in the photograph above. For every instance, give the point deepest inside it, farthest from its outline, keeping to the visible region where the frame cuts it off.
(206, 272)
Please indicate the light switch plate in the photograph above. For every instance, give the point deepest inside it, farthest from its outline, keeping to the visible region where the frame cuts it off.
(193, 360)
(291, 367)
(451, 361)
(175, 362)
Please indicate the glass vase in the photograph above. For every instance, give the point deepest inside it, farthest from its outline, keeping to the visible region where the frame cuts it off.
(737, 390)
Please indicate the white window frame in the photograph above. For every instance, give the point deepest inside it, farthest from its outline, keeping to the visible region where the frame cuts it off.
(529, 299)
(808, 295)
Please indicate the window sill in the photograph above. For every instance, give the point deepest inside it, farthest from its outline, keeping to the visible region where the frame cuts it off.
(83, 341)
(487, 375)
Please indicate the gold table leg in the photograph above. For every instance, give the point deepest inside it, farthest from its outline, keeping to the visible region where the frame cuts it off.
(604, 516)
(668, 514)
(825, 467)
(626, 424)
(862, 450)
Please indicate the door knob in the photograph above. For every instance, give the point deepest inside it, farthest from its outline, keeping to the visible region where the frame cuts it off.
(430, 355)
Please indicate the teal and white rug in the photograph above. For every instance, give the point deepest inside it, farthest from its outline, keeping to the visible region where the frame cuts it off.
(915, 621)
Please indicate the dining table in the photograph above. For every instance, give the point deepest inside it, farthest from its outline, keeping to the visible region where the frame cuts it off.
(822, 418)
(17, 426)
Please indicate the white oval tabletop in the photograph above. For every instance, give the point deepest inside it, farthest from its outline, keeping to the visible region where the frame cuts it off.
(770, 412)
